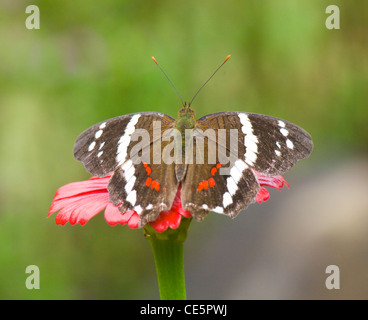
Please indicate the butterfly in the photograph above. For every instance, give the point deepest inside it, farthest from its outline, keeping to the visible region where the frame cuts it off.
(151, 155)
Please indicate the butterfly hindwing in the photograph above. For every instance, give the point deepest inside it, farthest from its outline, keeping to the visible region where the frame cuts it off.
(213, 186)
(146, 188)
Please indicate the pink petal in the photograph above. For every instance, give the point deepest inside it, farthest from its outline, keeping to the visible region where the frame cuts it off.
(262, 195)
(275, 182)
(126, 216)
(80, 201)
(166, 219)
(177, 206)
(113, 216)
(185, 213)
(94, 184)
(133, 221)
(173, 219)
(81, 209)
(161, 223)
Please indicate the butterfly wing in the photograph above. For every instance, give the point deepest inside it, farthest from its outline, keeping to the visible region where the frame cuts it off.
(266, 144)
(130, 147)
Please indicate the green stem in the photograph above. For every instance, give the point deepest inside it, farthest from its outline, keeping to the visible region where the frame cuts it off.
(169, 259)
(170, 269)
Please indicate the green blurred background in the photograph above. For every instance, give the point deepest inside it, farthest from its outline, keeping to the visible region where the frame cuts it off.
(91, 61)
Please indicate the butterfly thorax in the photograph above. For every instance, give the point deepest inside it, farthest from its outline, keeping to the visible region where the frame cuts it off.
(185, 119)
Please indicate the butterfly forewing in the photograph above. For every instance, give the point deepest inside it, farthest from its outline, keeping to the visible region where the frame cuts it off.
(269, 145)
(107, 144)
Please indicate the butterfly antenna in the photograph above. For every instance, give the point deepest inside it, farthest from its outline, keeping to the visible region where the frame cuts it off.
(155, 61)
(227, 58)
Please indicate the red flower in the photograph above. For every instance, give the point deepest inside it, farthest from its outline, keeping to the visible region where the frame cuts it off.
(78, 202)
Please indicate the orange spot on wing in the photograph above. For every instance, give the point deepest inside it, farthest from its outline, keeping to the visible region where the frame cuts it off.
(218, 165)
(213, 171)
(148, 181)
(155, 185)
(200, 186)
(148, 169)
(211, 182)
(145, 164)
(206, 183)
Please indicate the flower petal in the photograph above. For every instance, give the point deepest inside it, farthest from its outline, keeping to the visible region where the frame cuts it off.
(133, 221)
(177, 206)
(94, 184)
(113, 216)
(161, 223)
(79, 209)
(174, 219)
(275, 182)
(262, 195)
(166, 219)
(80, 201)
